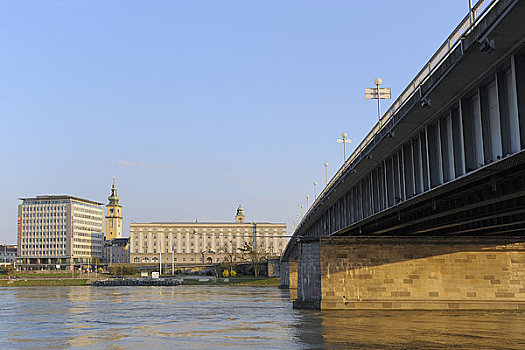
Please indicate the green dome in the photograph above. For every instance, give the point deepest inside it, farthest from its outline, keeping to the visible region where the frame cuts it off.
(240, 211)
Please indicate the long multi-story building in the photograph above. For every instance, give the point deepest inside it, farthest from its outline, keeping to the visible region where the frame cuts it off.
(195, 242)
(59, 232)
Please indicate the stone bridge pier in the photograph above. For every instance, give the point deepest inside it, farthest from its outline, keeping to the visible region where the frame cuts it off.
(288, 275)
(411, 273)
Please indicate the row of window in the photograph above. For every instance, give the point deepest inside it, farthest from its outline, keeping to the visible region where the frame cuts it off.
(40, 215)
(145, 259)
(43, 252)
(41, 221)
(41, 246)
(52, 239)
(38, 230)
(42, 208)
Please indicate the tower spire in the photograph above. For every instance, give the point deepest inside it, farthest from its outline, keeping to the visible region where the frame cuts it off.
(240, 215)
(113, 199)
(114, 215)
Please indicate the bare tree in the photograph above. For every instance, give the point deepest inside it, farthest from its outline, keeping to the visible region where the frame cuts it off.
(255, 256)
(231, 254)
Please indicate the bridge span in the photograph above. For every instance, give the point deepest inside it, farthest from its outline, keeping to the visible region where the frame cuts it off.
(429, 211)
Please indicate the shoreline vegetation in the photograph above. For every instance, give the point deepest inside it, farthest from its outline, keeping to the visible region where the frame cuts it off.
(65, 279)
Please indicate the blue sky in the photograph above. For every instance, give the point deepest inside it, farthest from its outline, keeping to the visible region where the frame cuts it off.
(197, 106)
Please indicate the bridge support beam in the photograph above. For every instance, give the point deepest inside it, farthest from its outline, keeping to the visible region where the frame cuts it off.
(412, 273)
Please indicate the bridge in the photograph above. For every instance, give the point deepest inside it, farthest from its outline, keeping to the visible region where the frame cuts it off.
(429, 210)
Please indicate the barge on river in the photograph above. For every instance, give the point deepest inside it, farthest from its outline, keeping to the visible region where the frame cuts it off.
(136, 282)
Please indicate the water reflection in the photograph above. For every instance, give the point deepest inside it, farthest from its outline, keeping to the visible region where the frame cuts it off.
(423, 330)
(196, 317)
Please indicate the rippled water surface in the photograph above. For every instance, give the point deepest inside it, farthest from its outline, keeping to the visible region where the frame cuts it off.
(199, 317)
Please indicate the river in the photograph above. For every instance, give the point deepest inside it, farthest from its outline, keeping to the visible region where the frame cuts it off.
(215, 317)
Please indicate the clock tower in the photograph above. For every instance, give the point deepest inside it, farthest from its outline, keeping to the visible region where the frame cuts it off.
(113, 215)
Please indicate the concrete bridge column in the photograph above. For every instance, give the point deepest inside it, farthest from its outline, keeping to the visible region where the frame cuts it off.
(309, 276)
(412, 273)
(288, 275)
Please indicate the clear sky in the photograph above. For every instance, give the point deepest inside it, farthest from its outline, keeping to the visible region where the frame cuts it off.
(197, 106)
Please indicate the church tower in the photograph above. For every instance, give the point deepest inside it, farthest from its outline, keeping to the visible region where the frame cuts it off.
(113, 215)
(240, 215)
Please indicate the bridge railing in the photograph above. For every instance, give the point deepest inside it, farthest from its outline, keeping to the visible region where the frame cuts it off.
(454, 40)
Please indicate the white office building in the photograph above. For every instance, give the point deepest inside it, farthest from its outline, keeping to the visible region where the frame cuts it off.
(59, 232)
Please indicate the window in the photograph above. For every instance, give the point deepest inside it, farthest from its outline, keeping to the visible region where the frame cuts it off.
(136, 259)
(155, 259)
(145, 259)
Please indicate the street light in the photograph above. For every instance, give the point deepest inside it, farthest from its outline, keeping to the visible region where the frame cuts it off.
(173, 259)
(344, 141)
(302, 206)
(326, 172)
(378, 94)
(315, 190)
(307, 198)
(378, 81)
(160, 258)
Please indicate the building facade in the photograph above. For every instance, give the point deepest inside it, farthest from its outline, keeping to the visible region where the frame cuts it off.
(59, 232)
(116, 251)
(7, 253)
(113, 215)
(195, 243)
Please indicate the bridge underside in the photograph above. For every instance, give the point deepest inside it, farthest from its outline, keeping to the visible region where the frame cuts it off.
(488, 202)
(461, 246)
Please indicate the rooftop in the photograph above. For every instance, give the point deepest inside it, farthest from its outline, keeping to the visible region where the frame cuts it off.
(208, 223)
(57, 197)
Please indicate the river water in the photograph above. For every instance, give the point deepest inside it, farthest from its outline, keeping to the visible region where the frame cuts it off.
(213, 317)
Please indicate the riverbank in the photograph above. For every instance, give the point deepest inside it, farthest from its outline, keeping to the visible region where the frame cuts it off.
(47, 280)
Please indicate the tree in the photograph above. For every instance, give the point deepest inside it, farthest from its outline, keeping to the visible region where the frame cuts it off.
(231, 254)
(254, 255)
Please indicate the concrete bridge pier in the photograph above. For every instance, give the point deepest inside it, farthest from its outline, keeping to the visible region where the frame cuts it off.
(412, 273)
(309, 275)
(288, 275)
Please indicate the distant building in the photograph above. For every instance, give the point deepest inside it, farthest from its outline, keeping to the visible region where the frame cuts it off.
(113, 215)
(188, 243)
(58, 232)
(116, 251)
(7, 253)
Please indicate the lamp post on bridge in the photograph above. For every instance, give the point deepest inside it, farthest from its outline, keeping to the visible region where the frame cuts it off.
(377, 93)
(344, 141)
(470, 14)
(315, 190)
(307, 201)
(326, 172)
